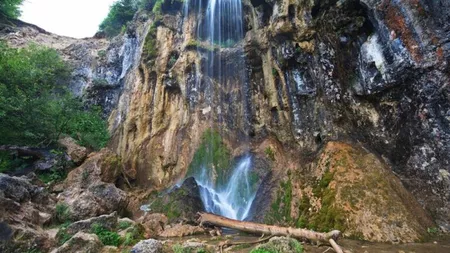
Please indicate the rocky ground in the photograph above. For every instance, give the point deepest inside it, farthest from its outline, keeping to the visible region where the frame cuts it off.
(95, 210)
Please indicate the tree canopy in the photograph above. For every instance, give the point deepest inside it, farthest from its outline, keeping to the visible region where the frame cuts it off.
(119, 14)
(10, 8)
(36, 107)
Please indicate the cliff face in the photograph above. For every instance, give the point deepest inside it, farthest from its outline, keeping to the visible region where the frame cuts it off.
(373, 72)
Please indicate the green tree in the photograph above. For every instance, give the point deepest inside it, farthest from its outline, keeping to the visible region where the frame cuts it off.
(119, 14)
(35, 106)
(10, 8)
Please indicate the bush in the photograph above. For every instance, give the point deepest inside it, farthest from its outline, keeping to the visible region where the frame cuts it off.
(36, 107)
(62, 212)
(119, 14)
(10, 8)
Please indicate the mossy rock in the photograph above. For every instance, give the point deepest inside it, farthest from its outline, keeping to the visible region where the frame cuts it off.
(351, 190)
(180, 204)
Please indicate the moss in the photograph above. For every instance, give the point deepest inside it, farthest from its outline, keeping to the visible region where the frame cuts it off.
(214, 154)
(195, 44)
(149, 51)
(280, 210)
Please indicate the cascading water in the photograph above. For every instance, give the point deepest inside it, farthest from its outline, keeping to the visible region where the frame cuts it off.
(225, 92)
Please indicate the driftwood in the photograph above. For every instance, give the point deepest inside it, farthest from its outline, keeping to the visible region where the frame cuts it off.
(251, 227)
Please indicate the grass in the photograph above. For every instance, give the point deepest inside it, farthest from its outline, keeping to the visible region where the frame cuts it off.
(106, 236)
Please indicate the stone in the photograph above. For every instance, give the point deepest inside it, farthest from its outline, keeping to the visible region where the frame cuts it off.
(179, 230)
(81, 242)
(281, 244)
(110, 249)
(15, 188)
(153, 223)
(181, 203)
(108, 221)
(148, 246)
(24, 207)
(76, 152)
(89, 189)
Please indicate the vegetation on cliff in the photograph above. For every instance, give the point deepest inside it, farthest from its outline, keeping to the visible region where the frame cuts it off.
(119, 14)
(212, 153)
(36, 108)
(10, 8)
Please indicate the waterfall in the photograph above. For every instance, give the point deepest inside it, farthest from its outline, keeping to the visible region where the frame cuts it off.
(221, 87)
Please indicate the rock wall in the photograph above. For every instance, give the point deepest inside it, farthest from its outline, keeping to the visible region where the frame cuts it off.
(374, 72)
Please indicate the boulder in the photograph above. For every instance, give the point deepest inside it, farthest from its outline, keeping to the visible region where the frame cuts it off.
(153, 223)
(16, 188)
(181, 203)
(148, 246)
(107, 221)
(76, 152)
(281, 244)
(24, 207)
(352, 190)
(81, 242)
(89, 189)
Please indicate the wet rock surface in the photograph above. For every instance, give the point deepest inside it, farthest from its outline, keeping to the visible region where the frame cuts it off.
(181, 203)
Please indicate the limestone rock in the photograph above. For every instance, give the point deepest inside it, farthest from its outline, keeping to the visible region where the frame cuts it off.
(180, 230)
(76, 152)
(148, 246)
(350, 189)
(107, 221)
(24, 207)
(153, 223)
(90, 190)
(81, 242)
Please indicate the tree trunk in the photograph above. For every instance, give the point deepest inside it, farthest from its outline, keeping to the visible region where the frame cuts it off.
(251, 227)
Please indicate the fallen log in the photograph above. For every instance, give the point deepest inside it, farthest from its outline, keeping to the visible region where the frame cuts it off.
(252, 227)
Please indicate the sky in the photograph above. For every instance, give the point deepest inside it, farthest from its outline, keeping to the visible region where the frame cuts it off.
(73, 18)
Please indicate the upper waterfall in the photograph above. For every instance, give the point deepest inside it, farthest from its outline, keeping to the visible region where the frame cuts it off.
(224, 91)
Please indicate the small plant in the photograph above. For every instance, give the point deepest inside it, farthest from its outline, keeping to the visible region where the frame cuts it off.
(63, 236)
(62, 212)
(274, 72)
(123, 225)
(106, 237)
(177, 248)
(269, 153)
(263, 251)
(433, 231)
(101, 53)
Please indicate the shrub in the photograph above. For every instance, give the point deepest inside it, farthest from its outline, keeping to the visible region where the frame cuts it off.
(119, 14)
(10, 8)
(36, 107)
(62, 212)
(124, 225)
(106, 237)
